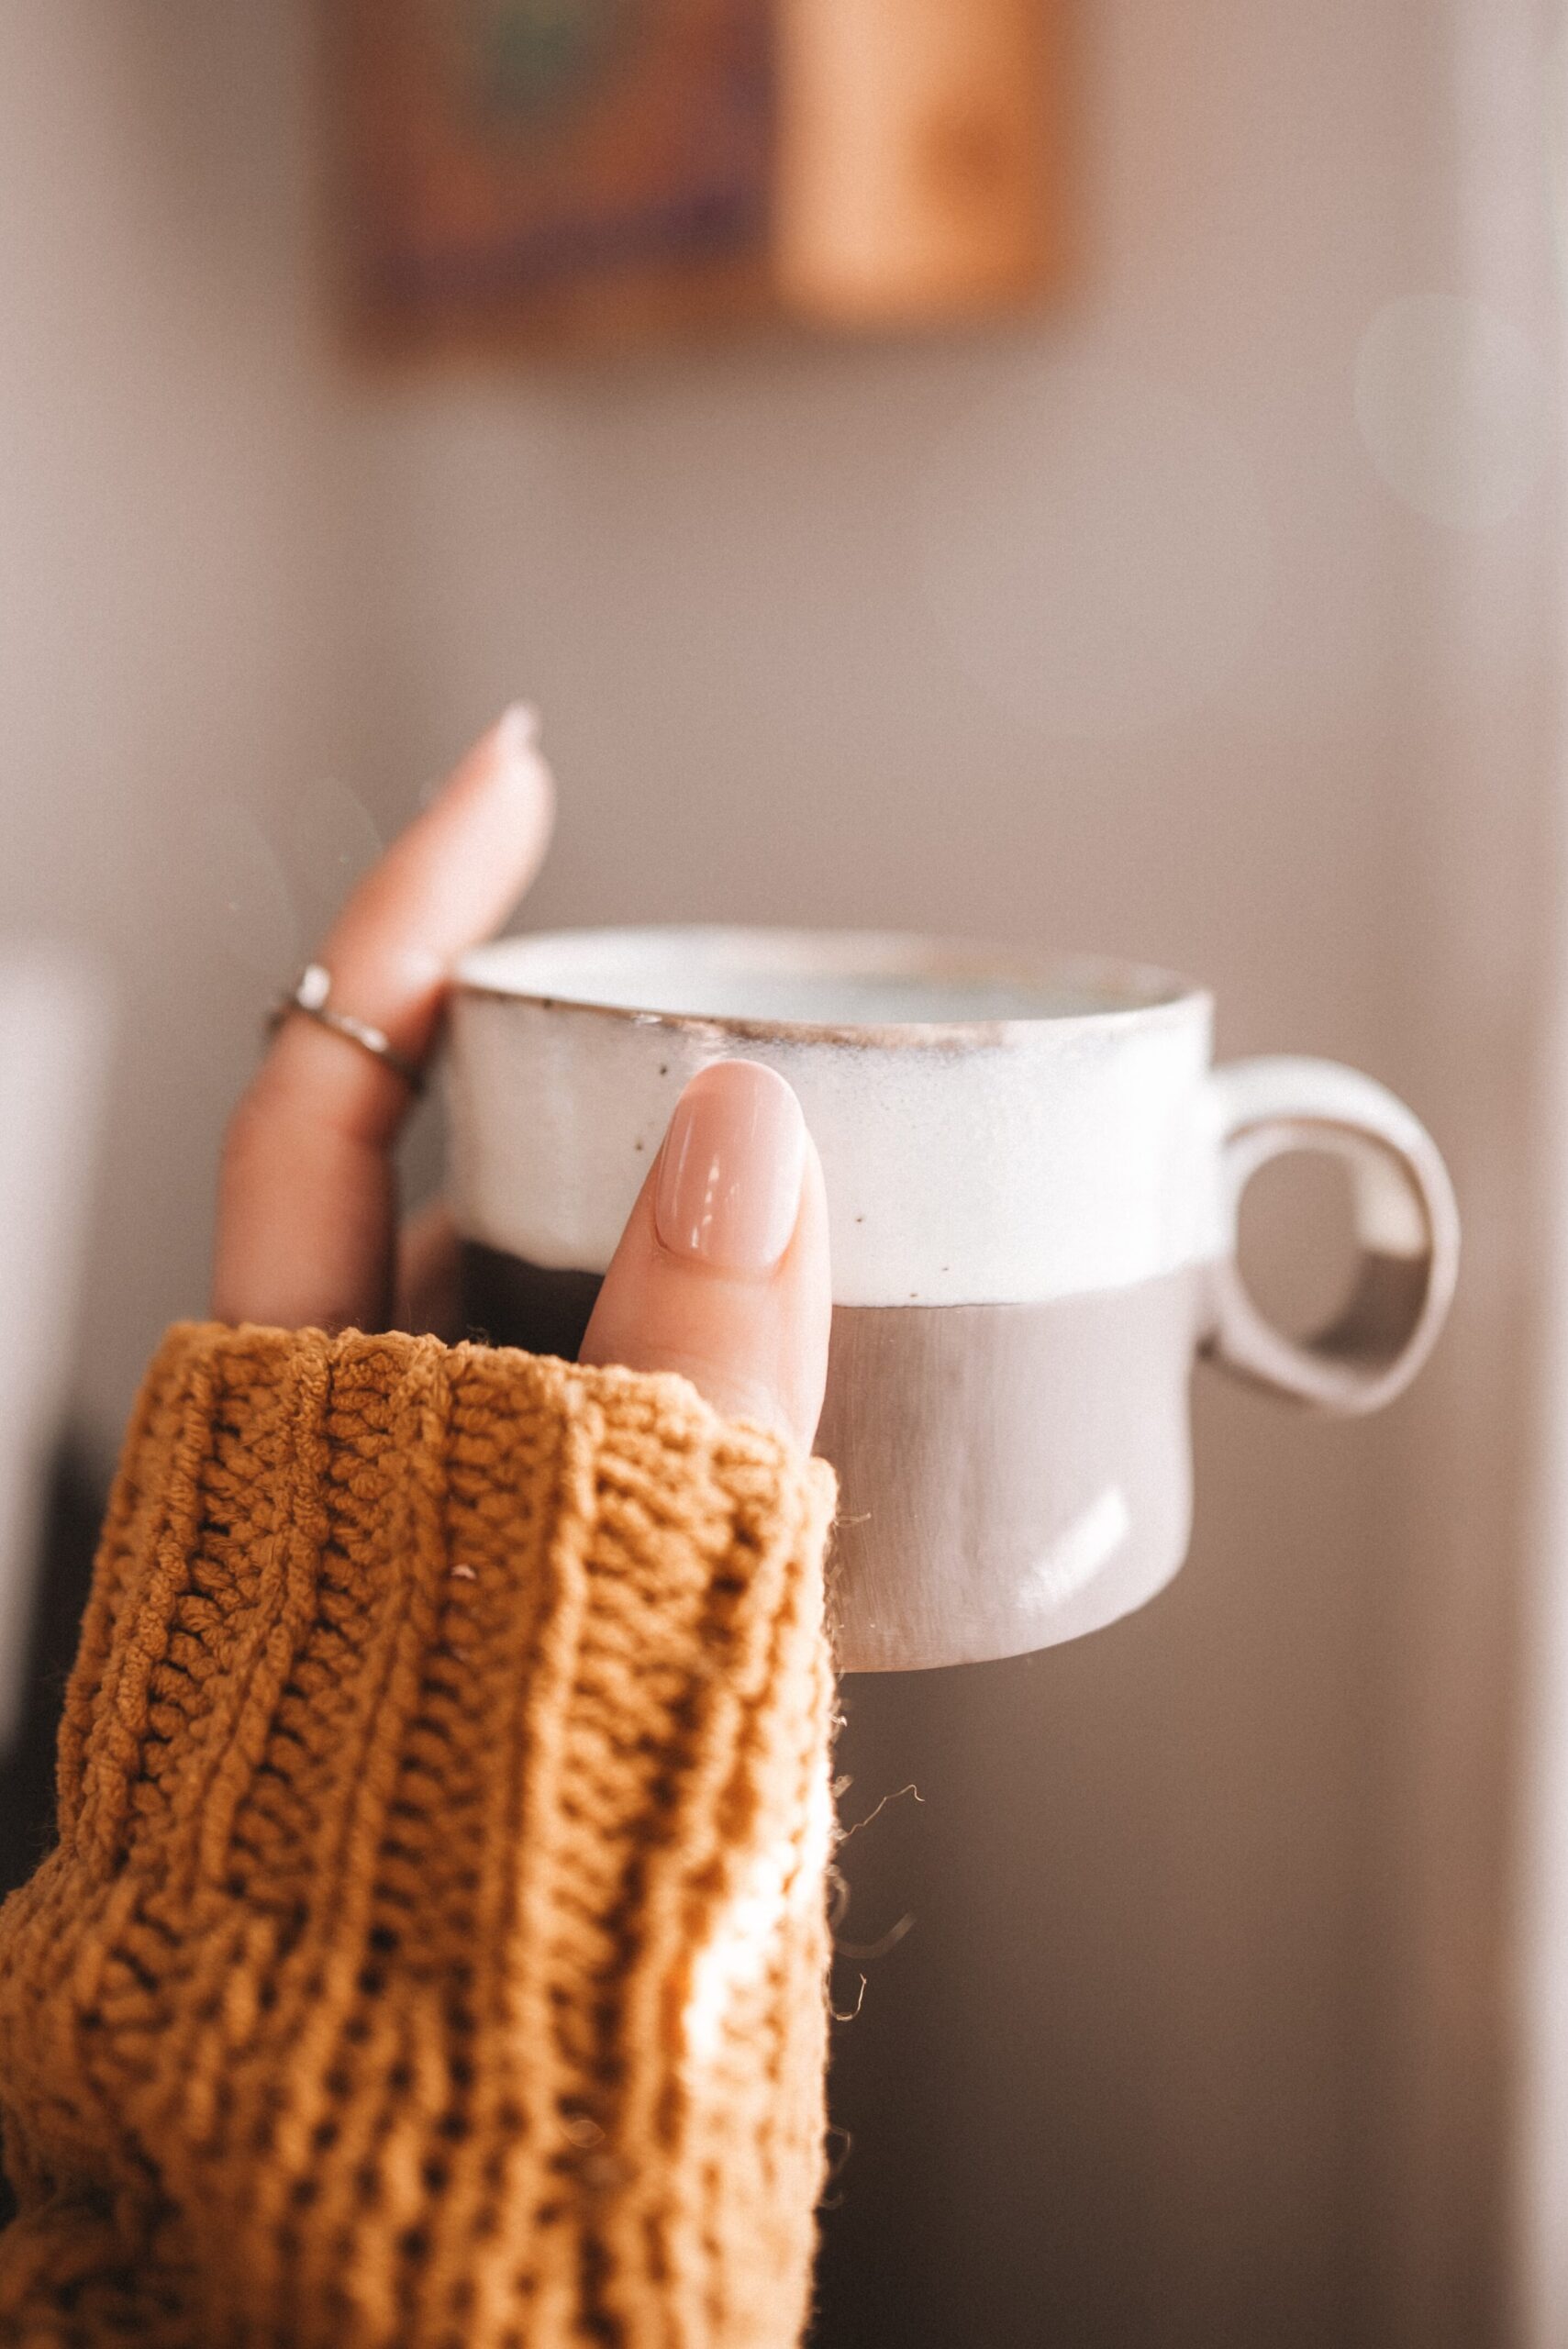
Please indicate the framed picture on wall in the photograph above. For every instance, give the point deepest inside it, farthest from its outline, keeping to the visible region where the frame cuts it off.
(595, 169)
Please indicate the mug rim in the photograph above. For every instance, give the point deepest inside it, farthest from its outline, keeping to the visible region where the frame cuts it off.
(1154, 996)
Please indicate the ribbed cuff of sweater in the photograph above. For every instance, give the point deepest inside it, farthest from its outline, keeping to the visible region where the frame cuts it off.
(434, 1951)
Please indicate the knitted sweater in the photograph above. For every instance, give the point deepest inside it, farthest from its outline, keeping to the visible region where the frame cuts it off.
(434, 1949)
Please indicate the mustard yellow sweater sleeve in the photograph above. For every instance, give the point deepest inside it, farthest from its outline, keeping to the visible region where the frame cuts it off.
(434, 1951)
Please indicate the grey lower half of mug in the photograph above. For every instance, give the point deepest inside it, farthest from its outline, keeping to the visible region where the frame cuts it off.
(1010, 1476)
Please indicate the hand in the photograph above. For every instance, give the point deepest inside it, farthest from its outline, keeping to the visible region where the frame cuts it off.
(722, 1271)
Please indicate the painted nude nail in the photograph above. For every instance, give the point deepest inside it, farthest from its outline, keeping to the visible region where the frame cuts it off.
(729, 1189)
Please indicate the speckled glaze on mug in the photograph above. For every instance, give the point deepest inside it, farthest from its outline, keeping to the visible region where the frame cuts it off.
(1033, 1174)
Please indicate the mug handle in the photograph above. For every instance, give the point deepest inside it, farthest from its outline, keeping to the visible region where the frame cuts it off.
(1406, 1222)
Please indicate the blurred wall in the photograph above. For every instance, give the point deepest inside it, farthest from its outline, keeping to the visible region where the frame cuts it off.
(1106, 630)
(177, 627)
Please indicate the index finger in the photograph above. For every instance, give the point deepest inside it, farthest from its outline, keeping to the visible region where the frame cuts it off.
(307, 1202)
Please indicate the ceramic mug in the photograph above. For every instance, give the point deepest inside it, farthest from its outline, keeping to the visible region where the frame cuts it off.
(1033, 1174)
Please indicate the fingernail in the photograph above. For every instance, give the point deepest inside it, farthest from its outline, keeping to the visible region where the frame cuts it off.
(507, 750)
(523, 762)
(517, 726)
(729, 1177)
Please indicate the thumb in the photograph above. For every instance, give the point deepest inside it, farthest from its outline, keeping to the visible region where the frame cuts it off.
(721, 1273)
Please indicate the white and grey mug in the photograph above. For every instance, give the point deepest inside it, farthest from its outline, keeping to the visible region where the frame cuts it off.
(1033, 1176)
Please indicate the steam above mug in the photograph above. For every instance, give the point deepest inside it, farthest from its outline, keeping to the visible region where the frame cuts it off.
(1033, 1174)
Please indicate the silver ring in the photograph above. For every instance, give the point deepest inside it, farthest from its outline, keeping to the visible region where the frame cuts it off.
(309, 994)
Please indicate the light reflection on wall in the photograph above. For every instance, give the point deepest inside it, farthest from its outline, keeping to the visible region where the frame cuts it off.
(1453, 402)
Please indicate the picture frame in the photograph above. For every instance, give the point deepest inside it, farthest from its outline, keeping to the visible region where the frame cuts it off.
(605, 170)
